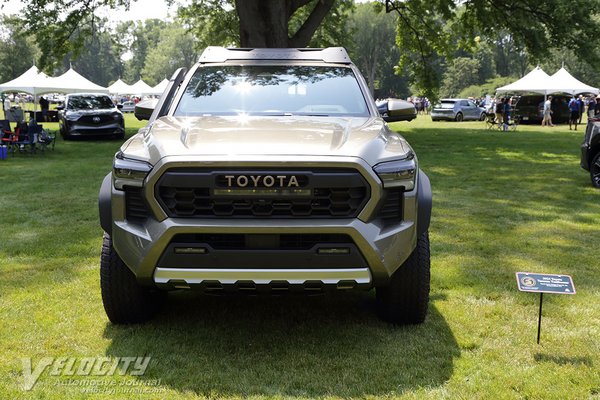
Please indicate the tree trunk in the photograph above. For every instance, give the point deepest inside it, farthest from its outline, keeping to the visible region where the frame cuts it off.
(264, 23)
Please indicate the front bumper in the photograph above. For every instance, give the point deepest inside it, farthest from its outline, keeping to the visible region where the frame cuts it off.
(382, 247)
(74, 128)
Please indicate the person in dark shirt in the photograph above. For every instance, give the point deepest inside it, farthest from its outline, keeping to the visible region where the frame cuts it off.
(44, 105)
(591, 107)
(574, 110)
(581, 105)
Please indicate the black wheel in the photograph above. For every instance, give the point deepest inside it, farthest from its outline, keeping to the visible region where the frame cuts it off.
(64, 133)
(459, 117)
(406, 299)
(595, 170)
(125, 301)
(482, 116)
(120, 136)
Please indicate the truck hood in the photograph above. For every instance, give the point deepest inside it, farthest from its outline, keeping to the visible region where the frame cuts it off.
(234, 137)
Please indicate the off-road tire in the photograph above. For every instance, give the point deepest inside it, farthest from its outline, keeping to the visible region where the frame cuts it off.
(405, 300)
(595, 170)
(459, 117)
(125, 301)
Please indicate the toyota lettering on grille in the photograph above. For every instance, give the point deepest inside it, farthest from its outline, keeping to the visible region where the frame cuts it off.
(267, 181)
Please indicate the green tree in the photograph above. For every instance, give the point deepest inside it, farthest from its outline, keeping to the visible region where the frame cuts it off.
(428, 28)
(268, 23)
(17, 49)
(462, 72)
(99, 60)
(174, 49)
(144, 35)
(373, 47)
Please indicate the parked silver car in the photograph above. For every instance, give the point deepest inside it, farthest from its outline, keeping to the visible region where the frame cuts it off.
(457, 110)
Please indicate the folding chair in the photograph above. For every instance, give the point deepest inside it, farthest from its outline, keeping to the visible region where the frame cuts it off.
(41, 136)
(23, 141)
(7, 136)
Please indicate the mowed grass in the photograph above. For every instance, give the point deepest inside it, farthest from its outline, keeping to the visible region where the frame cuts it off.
(503, 202)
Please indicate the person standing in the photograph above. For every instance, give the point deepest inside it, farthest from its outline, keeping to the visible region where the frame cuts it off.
(581, 105)
(44, 105)
(499, 110)
(506, 108)
(597, 108)
(547, 119)
(6, 106)
(574, 112)
(591, 106)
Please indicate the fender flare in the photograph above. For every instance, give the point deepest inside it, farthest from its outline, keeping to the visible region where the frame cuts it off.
(425, 201)
(104, 204)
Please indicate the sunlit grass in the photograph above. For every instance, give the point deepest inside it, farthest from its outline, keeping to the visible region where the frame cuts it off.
(503, 202)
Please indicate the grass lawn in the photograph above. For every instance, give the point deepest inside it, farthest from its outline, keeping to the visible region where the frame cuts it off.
(503, 202)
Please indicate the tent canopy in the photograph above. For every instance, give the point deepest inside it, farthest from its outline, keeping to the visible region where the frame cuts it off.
(537, 81)
(119, 87)
(563, 82)
(72, 82)
(160, 88)
(31, 81)
(141, 87)
(36, 83)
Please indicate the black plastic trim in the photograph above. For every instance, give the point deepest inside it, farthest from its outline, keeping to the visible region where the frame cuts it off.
(425, 202)
(104, 204)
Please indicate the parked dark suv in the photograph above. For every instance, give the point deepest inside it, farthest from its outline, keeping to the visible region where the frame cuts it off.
(90, 114)
(590, 150)
(531, 108)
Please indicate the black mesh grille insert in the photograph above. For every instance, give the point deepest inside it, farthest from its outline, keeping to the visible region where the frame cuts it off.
(136, 209)
(96, 119)
(200, 193)
(231, 241)
(391, 208)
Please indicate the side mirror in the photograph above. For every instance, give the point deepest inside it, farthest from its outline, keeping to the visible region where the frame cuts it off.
(119, 106)
(144, 109)
(398, 110)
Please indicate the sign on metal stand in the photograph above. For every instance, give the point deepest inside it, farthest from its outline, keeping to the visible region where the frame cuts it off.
(544, 283)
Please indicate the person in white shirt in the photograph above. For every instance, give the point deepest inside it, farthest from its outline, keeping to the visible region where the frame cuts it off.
(6, 105)
(547, 120)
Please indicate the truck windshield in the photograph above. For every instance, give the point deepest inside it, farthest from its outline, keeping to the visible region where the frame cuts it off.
(89, 102)
(273, 90)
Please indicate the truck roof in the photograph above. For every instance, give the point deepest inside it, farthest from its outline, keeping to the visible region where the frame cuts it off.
(216, 54)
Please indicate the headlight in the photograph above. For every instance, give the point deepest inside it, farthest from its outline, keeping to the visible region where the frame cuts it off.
(72, 116)
(400, 173)
(117, 116)
(128, 172)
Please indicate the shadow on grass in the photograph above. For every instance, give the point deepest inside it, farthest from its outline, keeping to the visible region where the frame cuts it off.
(330, 345)
(562, 360)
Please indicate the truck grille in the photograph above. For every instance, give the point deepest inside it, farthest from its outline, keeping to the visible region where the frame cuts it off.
(202, 193)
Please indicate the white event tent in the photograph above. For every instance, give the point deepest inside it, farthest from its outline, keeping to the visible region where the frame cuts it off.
(73, 82)
(37, 83)
(537, 81)
(141, 88)
(160, 88)
(119, 87)
(31, 81)
(563, 82)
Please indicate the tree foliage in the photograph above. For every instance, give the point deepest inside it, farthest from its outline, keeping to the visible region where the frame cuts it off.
(175, 49)
(268, 23)
(17, 49)
(430, 28)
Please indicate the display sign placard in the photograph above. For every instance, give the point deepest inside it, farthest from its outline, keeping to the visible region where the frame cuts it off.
(545, 283)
